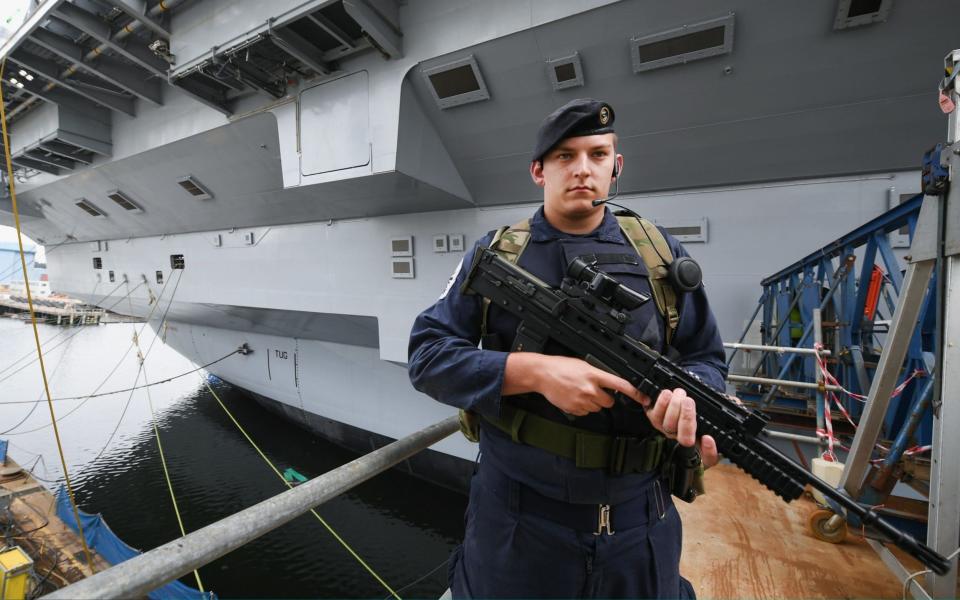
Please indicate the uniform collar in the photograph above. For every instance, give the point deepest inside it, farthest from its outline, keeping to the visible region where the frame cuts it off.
(542, 231)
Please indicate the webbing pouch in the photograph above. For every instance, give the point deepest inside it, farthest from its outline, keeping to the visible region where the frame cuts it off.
(590, 451)
(470, 425)
(515, 424)
(635, 455)
(684, 472)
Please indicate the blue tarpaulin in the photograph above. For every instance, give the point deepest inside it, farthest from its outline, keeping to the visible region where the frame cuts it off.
(3, 452)
(109, 546)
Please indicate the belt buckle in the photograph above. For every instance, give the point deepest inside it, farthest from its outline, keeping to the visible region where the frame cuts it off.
(603, 520)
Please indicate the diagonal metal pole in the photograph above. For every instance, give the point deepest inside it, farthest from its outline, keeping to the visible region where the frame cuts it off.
(888, 371)
(943, 516)
(782, 322)
(142, 574)
(743, 336)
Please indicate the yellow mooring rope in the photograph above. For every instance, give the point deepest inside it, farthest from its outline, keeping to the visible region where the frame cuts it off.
(33, 319)
(156, 431)
(290, 485)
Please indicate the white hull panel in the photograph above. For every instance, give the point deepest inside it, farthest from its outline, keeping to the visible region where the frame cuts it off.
(324, 386)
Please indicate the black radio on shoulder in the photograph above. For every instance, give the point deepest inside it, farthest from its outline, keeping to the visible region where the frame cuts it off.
(683, 272)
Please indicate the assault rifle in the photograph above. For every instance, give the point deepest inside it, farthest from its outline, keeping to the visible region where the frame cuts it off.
(587, 316)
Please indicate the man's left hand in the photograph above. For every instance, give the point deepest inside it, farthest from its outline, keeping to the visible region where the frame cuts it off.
(674, 414)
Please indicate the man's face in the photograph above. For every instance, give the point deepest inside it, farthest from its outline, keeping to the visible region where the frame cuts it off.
(575, 173)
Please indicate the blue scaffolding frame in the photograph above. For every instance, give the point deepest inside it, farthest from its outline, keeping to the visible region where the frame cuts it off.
(827, 280)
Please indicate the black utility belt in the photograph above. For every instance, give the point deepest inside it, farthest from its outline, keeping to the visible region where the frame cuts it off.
(589, 450)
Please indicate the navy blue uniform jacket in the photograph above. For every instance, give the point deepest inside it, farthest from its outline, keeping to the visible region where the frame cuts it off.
(447, 364)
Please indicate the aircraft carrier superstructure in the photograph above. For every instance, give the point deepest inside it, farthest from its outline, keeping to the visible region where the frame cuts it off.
(306, 175)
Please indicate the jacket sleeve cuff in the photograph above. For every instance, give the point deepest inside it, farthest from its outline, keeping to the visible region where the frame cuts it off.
(708, 375)
(488, 382)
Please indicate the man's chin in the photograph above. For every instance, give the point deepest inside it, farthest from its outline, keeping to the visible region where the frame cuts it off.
(582, 206)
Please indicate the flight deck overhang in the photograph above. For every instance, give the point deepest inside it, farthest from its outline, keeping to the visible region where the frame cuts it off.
(33, 21)
(87, 53)
(756, 108)
(703, 107)
(225, 48)
(245, 185)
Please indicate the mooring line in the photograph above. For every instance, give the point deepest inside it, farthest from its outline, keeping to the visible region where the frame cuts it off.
(39, 399)
(126, 406)
(129, 389)
(290, 485)
(156, 434)
(50, 339)
(156, 303)
(33, 320)
(50, 349)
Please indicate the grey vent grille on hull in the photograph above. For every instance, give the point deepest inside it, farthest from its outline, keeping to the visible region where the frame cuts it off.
(194, 188)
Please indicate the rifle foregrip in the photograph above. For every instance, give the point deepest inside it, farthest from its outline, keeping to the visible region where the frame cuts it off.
(762, 468)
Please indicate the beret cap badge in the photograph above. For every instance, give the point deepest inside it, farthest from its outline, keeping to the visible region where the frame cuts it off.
(604, 114)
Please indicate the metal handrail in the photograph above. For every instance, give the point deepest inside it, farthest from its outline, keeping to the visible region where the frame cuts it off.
(777, 349)
(806, 385)
(138, 576)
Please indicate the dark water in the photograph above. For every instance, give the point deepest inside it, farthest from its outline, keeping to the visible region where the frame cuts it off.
(401, 526)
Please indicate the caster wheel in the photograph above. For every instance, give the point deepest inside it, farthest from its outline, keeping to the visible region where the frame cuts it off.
(824, 530)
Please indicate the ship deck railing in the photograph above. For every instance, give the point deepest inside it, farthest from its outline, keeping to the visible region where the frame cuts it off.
(138, 576)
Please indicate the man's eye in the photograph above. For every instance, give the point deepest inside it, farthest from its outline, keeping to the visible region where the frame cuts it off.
(600, 153)
(563, 155)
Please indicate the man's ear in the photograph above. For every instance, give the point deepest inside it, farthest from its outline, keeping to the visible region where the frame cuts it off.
(618, 166)
(536, 172)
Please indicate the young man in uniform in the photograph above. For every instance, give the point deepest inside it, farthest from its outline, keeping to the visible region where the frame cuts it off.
(542, 524)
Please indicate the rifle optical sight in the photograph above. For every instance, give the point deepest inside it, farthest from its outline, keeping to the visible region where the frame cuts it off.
(603, 287)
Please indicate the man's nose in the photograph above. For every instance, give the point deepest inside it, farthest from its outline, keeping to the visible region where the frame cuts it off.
(581, 165)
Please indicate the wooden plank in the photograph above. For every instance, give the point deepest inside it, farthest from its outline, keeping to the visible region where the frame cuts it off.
(50, 540)
(742, 541)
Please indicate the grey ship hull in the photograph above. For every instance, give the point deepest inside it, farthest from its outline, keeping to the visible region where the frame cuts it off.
(792, 136)
(343, 374)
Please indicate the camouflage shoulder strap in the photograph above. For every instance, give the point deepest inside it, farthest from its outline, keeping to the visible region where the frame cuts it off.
(509, 243)
(655, 252)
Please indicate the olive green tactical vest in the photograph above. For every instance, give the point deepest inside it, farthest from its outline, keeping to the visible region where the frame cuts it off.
(510, 242)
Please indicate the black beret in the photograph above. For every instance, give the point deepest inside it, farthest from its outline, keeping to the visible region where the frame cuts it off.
(583, 116)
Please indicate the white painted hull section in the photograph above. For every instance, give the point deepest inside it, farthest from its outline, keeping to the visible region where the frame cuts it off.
(347, 384)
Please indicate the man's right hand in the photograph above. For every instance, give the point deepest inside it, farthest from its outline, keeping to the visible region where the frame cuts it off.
(571, 384)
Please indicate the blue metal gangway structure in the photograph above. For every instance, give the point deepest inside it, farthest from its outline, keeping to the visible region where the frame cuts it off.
(852, 327)
(834, 306)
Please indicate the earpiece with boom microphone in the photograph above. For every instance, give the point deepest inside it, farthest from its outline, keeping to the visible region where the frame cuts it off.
(616, 176)
(684, 273)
